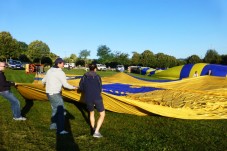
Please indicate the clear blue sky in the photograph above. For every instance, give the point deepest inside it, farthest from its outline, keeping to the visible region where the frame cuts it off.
(175, 27)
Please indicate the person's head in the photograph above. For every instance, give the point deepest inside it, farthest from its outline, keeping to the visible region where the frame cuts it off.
(92, 67)
(59, 63)
(2, 66)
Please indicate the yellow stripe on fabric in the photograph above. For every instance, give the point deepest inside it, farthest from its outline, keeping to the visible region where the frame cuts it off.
(171, 73)
(197, 67)
(149, 70)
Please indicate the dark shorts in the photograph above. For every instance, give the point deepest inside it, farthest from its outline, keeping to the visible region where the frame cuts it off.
(98, 104)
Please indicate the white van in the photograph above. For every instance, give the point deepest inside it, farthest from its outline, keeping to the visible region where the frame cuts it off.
(101, 67)
(69, 65)
(120, 68)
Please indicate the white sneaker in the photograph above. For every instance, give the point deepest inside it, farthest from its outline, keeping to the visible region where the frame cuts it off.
(97, 135)
(53, 126)
(19, 118)
(63, 132)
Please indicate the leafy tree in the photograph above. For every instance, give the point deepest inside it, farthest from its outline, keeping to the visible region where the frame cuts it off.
(172, 61)
(37, 60)
(165, 61)
(212, 56)
(46, 61)
(80, 62)
(24, 58)
(161, 60)
(181, 62)
(148, 59)
(135, 59)
(193, 59)
(73, 57)
(53, 56)
(224, 59)
(23, 47)
(121, 58)
(37, 50)
(67, 59)
(84, 54)
(94, 61)
(8, 46)
(112, 64)
(104, 54)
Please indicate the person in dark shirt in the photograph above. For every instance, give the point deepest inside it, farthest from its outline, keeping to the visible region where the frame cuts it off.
(91, 85)
(5, 92)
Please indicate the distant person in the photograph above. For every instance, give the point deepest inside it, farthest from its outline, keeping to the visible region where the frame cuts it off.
(195, 74)
(5, 92)
(209, 72)
(91, 85)
(54, 79)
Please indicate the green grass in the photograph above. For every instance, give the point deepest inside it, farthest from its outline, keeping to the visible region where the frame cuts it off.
(122, 132)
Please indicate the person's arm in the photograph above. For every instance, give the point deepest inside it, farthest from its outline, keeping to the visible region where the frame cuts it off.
(100, 83)
(64, 82)
(44, 80)
(81, 87)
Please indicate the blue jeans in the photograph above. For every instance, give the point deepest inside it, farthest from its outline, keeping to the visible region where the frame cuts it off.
(57, 115)
(15, 104)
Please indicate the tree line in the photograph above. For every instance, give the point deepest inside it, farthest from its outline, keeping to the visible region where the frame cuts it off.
(39, 52)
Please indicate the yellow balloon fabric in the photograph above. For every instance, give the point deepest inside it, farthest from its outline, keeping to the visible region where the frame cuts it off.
(203, 97)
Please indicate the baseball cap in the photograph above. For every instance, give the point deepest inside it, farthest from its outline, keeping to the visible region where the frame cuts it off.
(58, 60)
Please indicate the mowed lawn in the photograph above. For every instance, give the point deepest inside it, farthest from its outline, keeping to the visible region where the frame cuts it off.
(122, 132)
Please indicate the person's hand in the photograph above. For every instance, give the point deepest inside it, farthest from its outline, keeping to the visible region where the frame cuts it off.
(12, 83)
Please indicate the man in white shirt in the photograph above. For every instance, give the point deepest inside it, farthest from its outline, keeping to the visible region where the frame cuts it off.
(54, 79)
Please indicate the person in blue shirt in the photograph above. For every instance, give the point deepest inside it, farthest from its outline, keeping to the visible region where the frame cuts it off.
(91, 85)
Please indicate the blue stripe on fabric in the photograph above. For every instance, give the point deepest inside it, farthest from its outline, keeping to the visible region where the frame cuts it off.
(38, 79)
(185, 71)
(123, 89)
(216, 70)
(152, 72)
(144, 71)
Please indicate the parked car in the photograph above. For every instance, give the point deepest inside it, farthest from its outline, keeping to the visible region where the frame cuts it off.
(69, 65)
(120, 68)
(101, 67)
(15, 64)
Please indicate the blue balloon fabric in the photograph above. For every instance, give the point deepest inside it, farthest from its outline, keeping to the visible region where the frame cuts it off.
(123, 89)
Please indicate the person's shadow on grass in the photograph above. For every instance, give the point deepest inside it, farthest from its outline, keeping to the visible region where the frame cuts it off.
(83, 109)
(66, 142)
(81, 106)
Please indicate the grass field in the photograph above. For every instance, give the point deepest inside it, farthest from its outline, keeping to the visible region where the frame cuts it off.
(122, 132)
